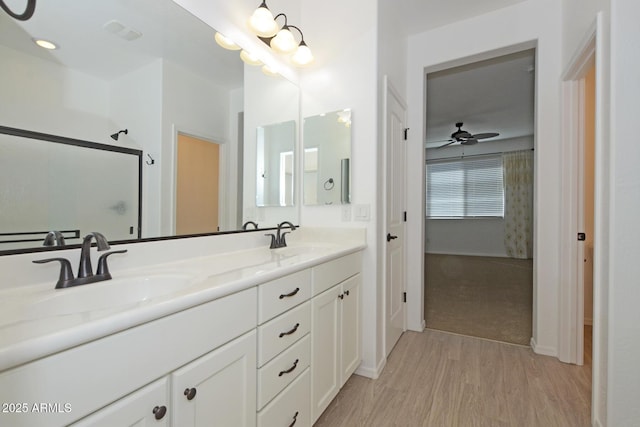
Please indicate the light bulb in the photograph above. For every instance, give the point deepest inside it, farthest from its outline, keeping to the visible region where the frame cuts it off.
(269, 71)
(283, 42)
(262, 22)
(302, 56)
(249, 58)
(226, 42)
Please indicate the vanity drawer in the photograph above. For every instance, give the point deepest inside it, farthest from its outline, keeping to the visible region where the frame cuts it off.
(333, 272)
(280, 295)
(282, 370)
(281, 332)
(291, 407)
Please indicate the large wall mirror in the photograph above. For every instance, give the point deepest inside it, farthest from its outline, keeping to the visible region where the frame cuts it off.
(152, 68)
(327, 158)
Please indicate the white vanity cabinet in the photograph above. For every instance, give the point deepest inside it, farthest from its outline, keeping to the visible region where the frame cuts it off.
(143, 408)
(100, 378)
(284, 351)
(217, 389)
(335, 329)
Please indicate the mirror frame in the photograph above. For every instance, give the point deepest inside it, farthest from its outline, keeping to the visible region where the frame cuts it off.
(56, 139)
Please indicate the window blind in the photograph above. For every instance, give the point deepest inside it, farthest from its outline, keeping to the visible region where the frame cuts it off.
(461, 188)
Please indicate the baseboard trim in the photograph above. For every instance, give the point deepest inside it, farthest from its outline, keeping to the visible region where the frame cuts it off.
(372, 373)
(545, 351)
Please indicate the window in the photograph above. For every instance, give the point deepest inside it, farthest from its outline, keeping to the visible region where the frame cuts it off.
(465, 188)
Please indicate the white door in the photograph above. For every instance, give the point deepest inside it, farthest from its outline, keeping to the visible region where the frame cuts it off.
(218, 389)
(395, 111)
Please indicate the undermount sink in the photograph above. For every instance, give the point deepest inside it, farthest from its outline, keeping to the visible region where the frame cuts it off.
(289, 251)
(110, 294)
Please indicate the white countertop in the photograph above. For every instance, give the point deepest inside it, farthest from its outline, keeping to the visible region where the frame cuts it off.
(32, 326)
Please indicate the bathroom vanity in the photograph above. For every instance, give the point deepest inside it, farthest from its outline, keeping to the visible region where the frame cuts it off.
(254, 337)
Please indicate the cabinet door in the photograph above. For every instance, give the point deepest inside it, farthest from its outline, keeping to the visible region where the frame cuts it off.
(325, 349)
(145, 407)
(218, 389)
(350, 353)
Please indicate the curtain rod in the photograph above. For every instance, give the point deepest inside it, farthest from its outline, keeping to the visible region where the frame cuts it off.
(478, 155)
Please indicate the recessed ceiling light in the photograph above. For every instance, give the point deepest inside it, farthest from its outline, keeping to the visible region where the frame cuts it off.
(45, 44)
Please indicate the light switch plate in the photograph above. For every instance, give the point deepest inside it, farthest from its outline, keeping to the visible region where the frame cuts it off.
(363, 212)
(346, 213)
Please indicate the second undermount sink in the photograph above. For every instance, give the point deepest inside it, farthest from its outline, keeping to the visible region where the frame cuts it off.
(110, 294)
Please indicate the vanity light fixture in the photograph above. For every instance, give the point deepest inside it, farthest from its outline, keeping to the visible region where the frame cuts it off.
(117, 134)
(249, 58)
(46, 44)
(262, 21)
(226, 42)
(270, 71)
(280, 39)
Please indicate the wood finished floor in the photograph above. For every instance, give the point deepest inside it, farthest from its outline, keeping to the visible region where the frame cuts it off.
(438, 379)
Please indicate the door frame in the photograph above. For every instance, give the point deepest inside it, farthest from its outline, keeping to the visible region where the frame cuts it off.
(390, 90)
(571, 337)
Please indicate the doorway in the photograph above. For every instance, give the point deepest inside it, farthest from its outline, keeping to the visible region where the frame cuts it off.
(479, 168)
(197, 185)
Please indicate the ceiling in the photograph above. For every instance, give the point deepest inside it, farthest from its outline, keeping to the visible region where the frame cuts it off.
(495, 95)
(424, 15)
(168, 31)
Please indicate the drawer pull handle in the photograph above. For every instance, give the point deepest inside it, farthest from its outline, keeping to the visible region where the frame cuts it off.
(290, 294)
(346, 293)
(295, 364)
(295, 328)
(160, 412)
(295, 418)
(190, 393)
(341, 296)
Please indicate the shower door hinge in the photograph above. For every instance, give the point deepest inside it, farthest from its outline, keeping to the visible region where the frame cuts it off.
(405, 133)
(404, 297)
(404, 216)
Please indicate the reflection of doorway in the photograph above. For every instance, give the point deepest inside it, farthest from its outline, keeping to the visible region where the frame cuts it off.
(197, 185)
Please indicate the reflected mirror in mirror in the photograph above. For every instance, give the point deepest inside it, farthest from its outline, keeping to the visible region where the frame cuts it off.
(327, 158)
(275, 164)
(158, 73)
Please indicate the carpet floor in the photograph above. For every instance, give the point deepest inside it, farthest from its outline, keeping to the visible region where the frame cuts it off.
(483, 297)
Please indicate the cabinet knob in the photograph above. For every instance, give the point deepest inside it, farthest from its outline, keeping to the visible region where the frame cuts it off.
(346, 293)
(295, 418)
(160, 412)
(190, 393)
(341, 296)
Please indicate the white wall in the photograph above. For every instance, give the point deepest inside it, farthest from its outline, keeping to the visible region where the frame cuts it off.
(42, 96)
(623, 384)
(344, 76)
(526, 24)
(197, 107)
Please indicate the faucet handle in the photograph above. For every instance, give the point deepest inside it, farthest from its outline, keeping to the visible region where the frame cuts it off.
(66, 274)
(273, 241)
(103, 268)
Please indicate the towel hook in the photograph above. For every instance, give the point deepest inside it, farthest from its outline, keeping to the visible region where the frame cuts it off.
(151, 162)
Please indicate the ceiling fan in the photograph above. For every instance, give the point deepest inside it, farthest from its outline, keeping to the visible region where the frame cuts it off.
(464, 137)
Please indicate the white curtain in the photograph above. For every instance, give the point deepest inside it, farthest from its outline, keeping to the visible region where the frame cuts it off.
(518, 203)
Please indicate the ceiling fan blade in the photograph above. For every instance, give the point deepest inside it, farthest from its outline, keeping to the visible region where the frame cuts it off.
(470, 141)
(449, 143)
(440, 140)
(485, 135)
